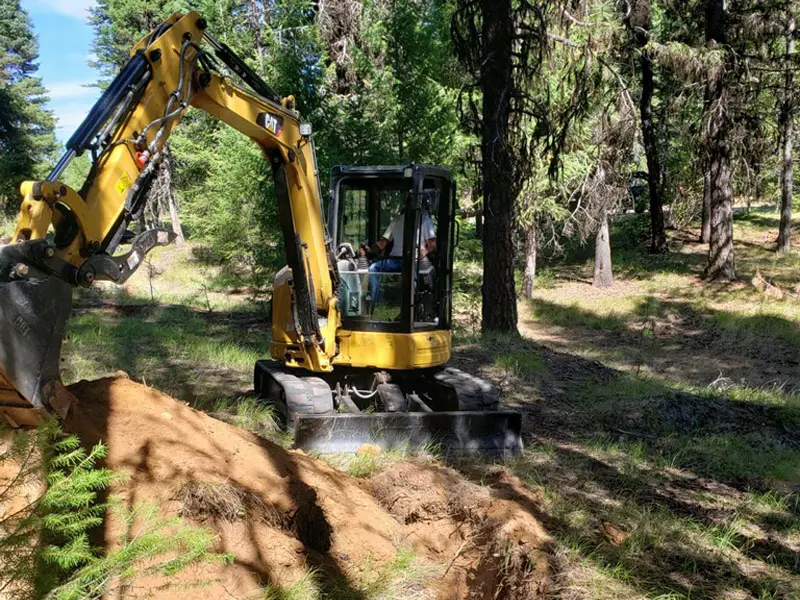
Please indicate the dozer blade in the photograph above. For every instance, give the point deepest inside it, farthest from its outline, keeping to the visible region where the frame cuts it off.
(462, 432)
(34, 309)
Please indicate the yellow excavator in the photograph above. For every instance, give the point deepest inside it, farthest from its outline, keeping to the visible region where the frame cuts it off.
(361, 316)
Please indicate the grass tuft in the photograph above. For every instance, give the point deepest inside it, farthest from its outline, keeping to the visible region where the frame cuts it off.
(524, 365)
(250, 414)
(371, 460)
(226, 501)
(305, 588)
(405, 578)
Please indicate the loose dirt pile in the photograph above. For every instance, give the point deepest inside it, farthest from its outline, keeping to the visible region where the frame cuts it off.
(495, 545)
(282, 512)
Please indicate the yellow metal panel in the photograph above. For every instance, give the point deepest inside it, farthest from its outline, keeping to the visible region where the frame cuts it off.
(383, 350)
(105, 199)
(34, 215)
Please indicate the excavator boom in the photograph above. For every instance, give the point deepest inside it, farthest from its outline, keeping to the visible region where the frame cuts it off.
(67, 237)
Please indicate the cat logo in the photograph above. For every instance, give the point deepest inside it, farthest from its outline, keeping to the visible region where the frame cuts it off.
(270, 122)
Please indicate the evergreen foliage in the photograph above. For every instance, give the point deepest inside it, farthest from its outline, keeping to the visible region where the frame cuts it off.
(27, 140)
(45, 547)
(377, 80)
(160, 546)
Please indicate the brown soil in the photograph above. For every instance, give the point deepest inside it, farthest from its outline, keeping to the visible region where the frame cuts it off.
(495, 548)
(282, 512)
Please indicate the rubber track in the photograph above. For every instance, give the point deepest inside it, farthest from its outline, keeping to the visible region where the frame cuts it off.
(302, 395)
(474, 393)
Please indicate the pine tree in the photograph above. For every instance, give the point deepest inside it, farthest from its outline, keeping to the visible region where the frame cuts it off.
(47, 538)
(119, 24)
(784, 242)
(27, 140)
(45, 549)
(639, 22)
(501, 46)
(720, 265)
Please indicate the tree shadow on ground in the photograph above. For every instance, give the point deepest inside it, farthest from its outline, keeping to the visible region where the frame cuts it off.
(689, 342)
(160, 465)
(758, 218)
(715, 446)
(671, 468)
(196, 355)
(687, 256)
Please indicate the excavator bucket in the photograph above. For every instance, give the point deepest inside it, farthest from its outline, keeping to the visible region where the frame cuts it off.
(495, 433)
(34, 309)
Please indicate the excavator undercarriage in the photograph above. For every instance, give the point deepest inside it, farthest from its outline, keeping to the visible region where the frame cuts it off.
(443, 409)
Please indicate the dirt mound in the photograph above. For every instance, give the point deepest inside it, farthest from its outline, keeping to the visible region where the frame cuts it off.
(496, 546)
(282, 512)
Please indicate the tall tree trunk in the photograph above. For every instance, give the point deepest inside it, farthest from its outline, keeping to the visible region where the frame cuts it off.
(254, 16)
(603, 275)
(499, 293)
(176, 221)
(531, 243)
(720, 265)
(705, 228)
(640, 23)
(787, 170)
(161, 197)
(758, 184)
(478, 217)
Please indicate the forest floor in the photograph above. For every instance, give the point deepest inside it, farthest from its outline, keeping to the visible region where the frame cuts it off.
(662, 416)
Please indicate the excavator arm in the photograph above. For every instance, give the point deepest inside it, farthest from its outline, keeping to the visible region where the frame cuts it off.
(66, 238)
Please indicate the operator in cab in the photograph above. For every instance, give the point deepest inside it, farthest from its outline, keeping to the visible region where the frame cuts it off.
(394, 262)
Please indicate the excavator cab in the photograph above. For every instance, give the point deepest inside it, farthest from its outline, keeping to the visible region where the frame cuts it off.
(393, 229)
(393, 232)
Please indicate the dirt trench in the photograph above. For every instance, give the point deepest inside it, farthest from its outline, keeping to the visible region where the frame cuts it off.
(280, 513)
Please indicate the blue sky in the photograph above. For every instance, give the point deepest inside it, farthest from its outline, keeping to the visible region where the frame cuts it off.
(65, 40)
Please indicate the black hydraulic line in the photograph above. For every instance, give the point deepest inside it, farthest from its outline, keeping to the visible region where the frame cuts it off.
(242, 69)
(61, 165)
(125, 81)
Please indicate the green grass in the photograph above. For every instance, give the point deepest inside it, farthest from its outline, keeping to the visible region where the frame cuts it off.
(195, 356)
(404, 578)
(250, 414)
(374, 460)
(305, 588)
(693, 475)
(747, 326)
(672, 550)
(667, 409)
(525, 365)
(573, 315)
(732, 435)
